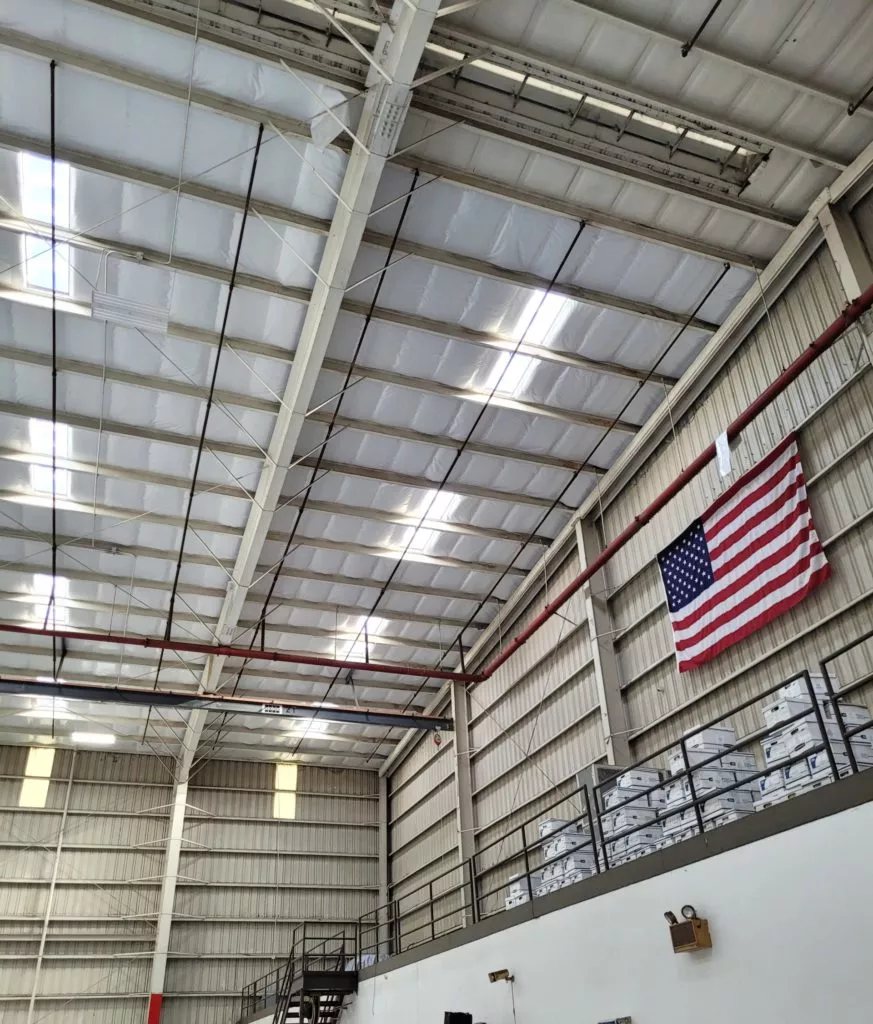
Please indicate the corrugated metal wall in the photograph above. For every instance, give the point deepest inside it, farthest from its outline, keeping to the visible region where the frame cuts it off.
(101, 924)
(831, 406)
(534, 724)
(423, 834)
(245, 880)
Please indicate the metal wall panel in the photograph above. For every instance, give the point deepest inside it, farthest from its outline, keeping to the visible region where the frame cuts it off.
(535, 722)
(423, 828)
(831, 407)
(245, 880)
(99, 923)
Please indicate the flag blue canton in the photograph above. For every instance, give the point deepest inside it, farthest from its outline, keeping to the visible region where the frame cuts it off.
(686, 568)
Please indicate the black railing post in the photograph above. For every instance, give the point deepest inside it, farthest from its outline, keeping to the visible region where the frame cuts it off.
(819, 717)
(398, 928)
(838, 716)
(598, 800)
(591, 828)
(474, 899)
(430, 904)
(698, 813)
(526, 863)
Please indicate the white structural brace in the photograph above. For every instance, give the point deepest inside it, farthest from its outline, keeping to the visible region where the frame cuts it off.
(398, 50)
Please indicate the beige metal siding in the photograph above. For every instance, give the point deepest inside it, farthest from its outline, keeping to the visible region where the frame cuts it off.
(245, 880)
(831, 406)
(101, 923)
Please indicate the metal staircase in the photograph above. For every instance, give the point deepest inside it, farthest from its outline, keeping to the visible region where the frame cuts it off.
(310, 988)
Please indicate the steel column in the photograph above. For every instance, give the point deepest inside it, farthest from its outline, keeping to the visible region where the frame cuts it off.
(464, 785)
(613, 715)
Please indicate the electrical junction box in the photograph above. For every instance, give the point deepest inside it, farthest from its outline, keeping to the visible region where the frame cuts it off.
(690, 935)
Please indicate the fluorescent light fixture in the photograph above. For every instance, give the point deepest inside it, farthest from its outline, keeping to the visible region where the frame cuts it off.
(36, 204)
(37, 774)
(129, 313)
(285, 792)
(93, 739)
(41, 467)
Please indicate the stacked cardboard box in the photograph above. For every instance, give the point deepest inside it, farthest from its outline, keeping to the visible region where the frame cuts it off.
(517, 890)
(728, 769)
(798, 737)
(573, 845)
(628, 805)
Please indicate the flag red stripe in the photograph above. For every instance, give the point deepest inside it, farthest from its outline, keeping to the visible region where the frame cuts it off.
(749, 552)
(768, 487)
(750, 475)
(748, 602)
(784, 498)
(767, 615)
(756, 569)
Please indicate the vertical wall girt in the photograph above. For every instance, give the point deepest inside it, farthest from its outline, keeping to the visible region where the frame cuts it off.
(384, 879)
(463, 783)
(600, 633)
(171, 866)
(50, 897)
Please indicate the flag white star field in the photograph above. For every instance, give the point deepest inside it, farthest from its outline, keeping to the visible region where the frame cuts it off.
(751, 556)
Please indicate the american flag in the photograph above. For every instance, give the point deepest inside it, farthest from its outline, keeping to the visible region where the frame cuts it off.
(752, 555)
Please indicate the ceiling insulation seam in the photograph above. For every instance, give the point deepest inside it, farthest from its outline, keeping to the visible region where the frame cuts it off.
(451, 98)
(74, 419)
(210, 526)
(228, 490)
(289, 217)
(193, 590)
(204, 560)
(255, 115)
(141, 254)
(708, 50)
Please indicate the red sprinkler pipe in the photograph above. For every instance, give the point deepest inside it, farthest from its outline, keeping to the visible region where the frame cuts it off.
(821, 344)
(250, 654)
(849, 316)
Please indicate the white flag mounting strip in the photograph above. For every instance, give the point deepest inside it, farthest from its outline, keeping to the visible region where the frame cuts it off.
(751, 556)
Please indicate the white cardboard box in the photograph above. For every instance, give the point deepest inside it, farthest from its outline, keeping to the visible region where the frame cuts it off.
(715, 737)
(727, 802)
(626, 797)
(783, 709)
(644, 838)
(638, 778)
(797, 688)
(518, 883)
(578, 864)
(852, 714)
(563, 844)
(617, 821)
(549, 826)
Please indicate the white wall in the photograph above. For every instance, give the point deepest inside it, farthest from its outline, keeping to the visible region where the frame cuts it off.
(790, 918)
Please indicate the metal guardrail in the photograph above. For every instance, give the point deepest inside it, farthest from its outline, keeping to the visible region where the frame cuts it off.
(464, 893)
(444, 904)
(338, 952)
